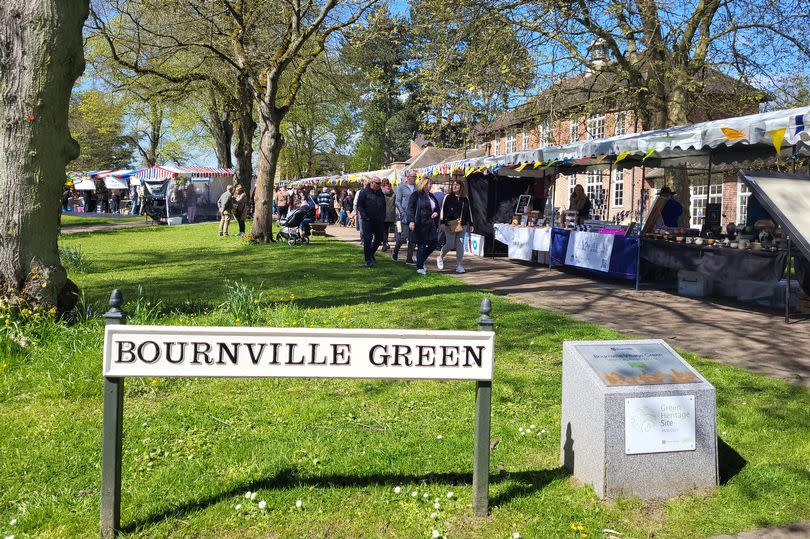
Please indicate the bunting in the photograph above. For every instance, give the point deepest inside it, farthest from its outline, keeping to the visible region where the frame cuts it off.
(622, 156)
(732, 134)
(648, 154)
(777, 135)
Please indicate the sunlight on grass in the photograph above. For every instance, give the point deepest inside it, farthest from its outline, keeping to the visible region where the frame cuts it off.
(193, 448)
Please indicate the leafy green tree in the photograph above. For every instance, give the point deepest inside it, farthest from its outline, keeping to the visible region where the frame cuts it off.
(469, 66)
(379, 53)
(96, 121)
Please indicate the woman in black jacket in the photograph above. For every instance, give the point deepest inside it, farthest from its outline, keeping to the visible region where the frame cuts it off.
(423, 221)
(456, 219)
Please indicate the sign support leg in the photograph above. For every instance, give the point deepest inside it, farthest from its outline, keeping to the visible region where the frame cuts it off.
(112, 430)
(483, 418)
(111, 457)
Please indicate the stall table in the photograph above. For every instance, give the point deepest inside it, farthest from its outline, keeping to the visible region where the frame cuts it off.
(716, 263)
(620, 252)
(522, 240)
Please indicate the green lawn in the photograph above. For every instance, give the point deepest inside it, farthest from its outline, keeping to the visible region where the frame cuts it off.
(193, 447)
(74, 220)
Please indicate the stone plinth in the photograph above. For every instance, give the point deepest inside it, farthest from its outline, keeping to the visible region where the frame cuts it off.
(318, 229)
(637, 420)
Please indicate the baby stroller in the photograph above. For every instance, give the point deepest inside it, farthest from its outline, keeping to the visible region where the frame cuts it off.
(294, 229)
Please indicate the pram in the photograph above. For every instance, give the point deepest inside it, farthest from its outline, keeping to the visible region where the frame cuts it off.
(294, 228)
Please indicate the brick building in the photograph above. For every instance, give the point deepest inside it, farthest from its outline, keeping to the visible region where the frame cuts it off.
(585, 106)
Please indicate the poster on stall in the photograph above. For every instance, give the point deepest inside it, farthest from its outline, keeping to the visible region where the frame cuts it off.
(542, 239)
(589, 250)
(473, 244)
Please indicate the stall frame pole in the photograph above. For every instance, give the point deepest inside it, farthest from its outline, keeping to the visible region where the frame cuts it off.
(640, 226)
(607, 197)
(787, 287)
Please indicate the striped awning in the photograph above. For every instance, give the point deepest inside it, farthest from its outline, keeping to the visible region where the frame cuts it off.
(166, 172)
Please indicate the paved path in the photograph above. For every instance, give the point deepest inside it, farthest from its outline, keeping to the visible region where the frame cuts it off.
(105, 226)
(735, 334)
(800, 530)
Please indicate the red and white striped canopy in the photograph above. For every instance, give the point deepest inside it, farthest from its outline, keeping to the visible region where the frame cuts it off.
(167, 172)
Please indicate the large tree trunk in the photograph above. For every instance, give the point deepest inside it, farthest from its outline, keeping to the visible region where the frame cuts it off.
(269, 150)
(41, 56)
(678, 178)
(221, 129)
(245, 129)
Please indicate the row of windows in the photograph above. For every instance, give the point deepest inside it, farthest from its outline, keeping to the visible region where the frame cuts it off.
(700, 195)
(594, 128)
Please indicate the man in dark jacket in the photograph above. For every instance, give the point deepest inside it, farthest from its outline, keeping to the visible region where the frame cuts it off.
(371, 208)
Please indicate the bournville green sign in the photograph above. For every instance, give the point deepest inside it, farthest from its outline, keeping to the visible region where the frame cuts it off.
(181, 351)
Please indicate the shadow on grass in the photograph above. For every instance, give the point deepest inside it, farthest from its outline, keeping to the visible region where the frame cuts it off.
(729, 461)
(521, 484)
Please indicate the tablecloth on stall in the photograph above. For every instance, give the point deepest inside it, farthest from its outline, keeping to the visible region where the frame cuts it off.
(623, 262)
(717, 263)
(522, 240)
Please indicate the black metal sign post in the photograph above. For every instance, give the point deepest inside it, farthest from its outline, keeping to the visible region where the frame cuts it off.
(112, 431)
(114, 413)
(483, 420)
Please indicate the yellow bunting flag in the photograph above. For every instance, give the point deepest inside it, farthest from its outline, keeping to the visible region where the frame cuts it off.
(777, 135)
(600, 158)
(622, 156)
(648, 153)
(732, 134)
(537, 164)
(522, 166)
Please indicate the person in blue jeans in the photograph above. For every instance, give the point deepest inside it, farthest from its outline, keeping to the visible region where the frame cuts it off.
(423, 222)
(325, 203)
(371, 209)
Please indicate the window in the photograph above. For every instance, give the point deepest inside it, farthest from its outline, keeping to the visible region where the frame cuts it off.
(743, 192)
(526, 138)
(496, 147)
(699, 200)
(595, 189)
(573, 130)
(621, 123)
(547, 132)
(596, 127)
(572, 182)
(618, 189)
(511, 142)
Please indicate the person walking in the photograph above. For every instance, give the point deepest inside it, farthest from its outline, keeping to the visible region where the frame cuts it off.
(371, 209)
(390, 211)
(346, 207)
(240, 208)
(423, 222)
(456, 220)
(191, 202)
(225, 207)
(324, 203)
(404, 192)
(282, 202)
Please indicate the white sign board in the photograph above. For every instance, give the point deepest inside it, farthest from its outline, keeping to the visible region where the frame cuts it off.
(659, 424)
(589, 250)
(297, 353)
(542, 239)
(473, 244)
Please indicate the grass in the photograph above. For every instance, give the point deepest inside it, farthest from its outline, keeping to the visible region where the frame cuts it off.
(69, 221)
(194, 447)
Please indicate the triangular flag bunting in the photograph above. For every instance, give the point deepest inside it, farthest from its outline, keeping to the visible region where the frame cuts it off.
(648, 153)
(553, 161)
(622, 155)
(522, 166)
(777, 135)
(600, 158)
(732, 134)
(537, 164)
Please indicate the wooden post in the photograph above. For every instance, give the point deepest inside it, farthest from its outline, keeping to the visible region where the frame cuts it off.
(483, 411)
(112, 436)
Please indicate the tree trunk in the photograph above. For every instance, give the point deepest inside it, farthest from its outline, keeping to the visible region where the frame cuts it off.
(41, 54)
(245, 129)
(221, 128)
(269, 150)
(678, 178)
